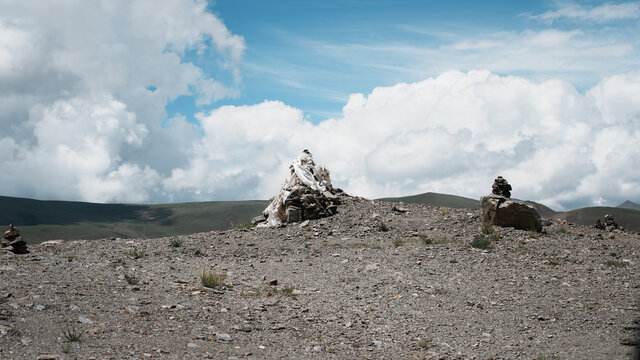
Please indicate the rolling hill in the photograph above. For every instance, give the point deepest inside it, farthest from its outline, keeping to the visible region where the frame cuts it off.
(46, 220)
(624, 214)
(435, 199)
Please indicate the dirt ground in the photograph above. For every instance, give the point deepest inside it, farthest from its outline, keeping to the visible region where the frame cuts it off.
(368, 283)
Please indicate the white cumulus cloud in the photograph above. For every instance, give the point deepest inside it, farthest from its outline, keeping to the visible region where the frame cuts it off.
(453, 133)
(600, 13)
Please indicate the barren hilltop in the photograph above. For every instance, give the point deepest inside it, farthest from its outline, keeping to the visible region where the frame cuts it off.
(376, 280)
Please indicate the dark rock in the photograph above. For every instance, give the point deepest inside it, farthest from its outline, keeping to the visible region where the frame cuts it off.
(501, 187)
(498, 210)
(294, 214)
(258, 219)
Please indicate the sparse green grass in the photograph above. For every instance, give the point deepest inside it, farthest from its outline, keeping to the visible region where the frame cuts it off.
(71, 333)
(69, 257)
(383, 227)
(211, 279)
(440, 240)
(131, 280)
(615, 263)
(547, 357)
(561, 231)
(288, 291)
(66, 348)
(176, 242)
(398, 242)
(481, 242)
(135, 253)
(445, 211)
(424, 344)
(241, 226)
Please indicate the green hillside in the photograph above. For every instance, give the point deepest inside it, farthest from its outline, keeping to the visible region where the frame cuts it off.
(628, 218)
(434, 199)
(46, 220)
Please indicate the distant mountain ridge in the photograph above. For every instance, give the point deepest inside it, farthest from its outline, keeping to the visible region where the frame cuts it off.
(41, 220)
(629, 205)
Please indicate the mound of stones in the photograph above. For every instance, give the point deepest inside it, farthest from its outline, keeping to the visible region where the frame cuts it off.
(609, 224)
(306, 194)
(13, 242)
(499, 209)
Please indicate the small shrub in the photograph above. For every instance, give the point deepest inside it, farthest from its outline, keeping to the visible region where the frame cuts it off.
(131, 280)
(136, 254)
(424, 344)
(211, 279)
(615, 263)
(445, 211)
(561, 231)
(383, 227)
(398, 242)
(176, 242)
(481, 242)
(71, 333)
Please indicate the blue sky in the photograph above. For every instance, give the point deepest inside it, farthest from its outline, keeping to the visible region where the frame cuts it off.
(314, 54)
(188, 100)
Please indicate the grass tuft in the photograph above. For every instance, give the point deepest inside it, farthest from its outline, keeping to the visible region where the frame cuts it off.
(481, 242)
(398, 242)
(71, 333)
(131, 280)
(176, 242)
(211, 279)
(424, 344)
(135, 253)
(383, 227)
(615, 263)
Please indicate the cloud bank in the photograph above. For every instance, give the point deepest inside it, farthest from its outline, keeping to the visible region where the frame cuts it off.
(82, 108)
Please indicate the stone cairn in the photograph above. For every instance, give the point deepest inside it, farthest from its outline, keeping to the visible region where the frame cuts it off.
(501, 187)
(499, 209)
(609, 223)
(12, 241)
(306, 194)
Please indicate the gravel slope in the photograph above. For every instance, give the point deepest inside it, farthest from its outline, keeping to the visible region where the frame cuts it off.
(345, 289)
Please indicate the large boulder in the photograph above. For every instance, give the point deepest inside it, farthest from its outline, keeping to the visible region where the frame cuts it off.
(498, 210)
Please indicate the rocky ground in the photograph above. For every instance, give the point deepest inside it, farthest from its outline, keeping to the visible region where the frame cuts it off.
(370, 282)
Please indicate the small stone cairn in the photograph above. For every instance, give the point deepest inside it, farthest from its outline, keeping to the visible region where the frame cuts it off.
(499, 209)
(501, 187)
(609, 223)
(307, 194)
(13, 242)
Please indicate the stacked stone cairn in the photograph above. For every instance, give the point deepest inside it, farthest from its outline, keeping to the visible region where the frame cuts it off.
(499, 209)
(609, 224)
(13, 242)
(501, 187)
(306, 194)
